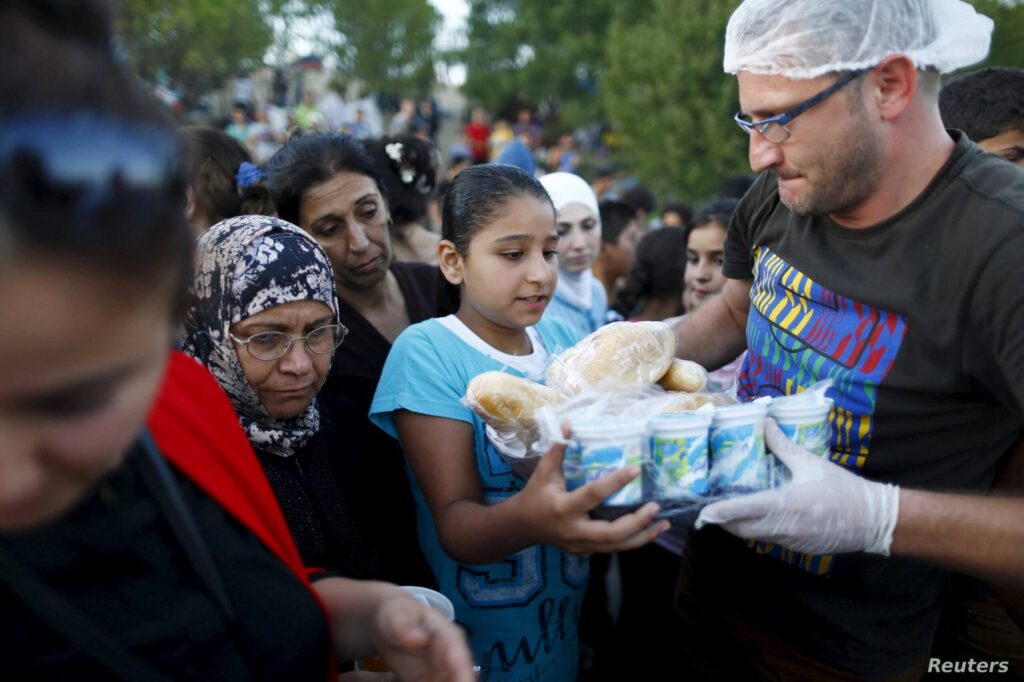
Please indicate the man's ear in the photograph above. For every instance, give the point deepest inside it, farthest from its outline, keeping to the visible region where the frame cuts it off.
(450, 262)
(894, 84)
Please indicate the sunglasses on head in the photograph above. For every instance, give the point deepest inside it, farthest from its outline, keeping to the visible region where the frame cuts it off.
(86, 168)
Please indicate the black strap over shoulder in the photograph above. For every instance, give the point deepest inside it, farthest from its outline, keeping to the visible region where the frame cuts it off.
(160, 481)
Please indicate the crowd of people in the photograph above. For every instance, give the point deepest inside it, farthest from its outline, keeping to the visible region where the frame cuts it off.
(234, 369)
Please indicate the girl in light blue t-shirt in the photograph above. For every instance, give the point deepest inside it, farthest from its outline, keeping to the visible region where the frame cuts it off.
(504, 550)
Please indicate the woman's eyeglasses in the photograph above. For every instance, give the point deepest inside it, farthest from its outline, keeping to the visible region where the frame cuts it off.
(272, 345)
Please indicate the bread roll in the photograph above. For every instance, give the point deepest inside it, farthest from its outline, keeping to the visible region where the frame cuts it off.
(508, 403)
(686, 376)
(618, 353)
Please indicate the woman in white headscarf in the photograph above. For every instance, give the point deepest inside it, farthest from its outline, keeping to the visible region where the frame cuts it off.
(579, 298)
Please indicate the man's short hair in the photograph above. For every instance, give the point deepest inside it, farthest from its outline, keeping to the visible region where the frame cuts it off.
(615, 218)
(984, 103)
(639, 198)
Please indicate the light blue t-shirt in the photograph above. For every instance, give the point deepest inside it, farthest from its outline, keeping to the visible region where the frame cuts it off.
(582, 320)
(521, 614)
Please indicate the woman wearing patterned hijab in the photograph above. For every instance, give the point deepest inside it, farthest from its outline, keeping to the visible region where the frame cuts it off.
(262, 317)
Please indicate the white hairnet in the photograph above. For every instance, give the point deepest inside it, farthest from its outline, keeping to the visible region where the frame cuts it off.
(802, 39)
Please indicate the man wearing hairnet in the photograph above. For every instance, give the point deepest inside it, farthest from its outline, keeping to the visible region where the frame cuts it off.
(884, 252)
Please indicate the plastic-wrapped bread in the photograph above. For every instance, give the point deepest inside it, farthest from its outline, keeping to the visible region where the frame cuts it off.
(618, 353)
(685, 376)
(508, 403)
(687, 402)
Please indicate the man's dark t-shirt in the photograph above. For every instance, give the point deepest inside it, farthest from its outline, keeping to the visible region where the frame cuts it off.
(919, 321)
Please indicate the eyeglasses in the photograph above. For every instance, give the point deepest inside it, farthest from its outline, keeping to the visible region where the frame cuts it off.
(272, 345)
(774, 128)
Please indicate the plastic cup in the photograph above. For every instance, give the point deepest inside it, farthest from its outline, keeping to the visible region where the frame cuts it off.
(433, 599)
(599, 448)
(805, 424)
(679, 461)
(739, 461)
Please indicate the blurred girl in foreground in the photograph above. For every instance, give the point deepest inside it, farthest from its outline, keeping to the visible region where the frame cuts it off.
(138, 536)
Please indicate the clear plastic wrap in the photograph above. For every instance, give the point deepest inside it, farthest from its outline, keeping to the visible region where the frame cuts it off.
(804, 417)
(682, 468)
(693, 447)
(508, 403)
(740, 462)
(620, 354)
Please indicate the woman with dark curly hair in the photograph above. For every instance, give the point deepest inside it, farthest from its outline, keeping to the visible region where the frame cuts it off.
(408, 167)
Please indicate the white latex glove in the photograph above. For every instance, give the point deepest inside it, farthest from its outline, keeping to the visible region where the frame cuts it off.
(825, 509)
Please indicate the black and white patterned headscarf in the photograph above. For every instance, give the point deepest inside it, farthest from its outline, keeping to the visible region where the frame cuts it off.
(245, 266)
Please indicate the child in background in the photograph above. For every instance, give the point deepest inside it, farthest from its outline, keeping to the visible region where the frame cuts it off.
(580, 299)
(499, 546)
(620, 233)
(705, 245)
(653, 290)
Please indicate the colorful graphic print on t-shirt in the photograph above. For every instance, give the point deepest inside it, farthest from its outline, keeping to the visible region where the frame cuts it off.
(799, 333)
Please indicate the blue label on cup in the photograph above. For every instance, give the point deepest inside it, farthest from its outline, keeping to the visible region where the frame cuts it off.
(584, 464)
(739, 462)
(678, 466)
(811, 436)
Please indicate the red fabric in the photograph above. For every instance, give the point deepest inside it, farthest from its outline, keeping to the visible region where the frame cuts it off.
(196, 429)
(478, 135)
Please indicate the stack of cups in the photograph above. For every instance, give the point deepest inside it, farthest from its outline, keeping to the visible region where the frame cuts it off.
(679, 464)
(739, 461)
(599, 448)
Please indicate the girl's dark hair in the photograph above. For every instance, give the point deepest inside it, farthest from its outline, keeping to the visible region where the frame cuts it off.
(408, 167)
(308, 160)
(658, 269)
(65, 100)
(716, 212)
(214, 158)
(476, 197)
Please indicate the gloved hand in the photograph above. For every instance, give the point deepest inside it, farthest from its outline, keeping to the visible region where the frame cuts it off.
(825, 509)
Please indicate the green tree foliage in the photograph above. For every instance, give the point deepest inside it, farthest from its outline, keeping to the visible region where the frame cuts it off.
(387, 44)
(1008, 37)
(527, 52)
(667, 94)
(197, 43)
